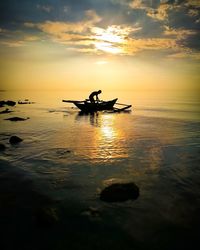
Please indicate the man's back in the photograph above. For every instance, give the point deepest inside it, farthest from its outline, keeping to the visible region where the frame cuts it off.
(93, 94)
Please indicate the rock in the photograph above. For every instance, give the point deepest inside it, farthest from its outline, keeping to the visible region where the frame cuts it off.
(2, 103)
(9, 103)
(46, 216)
(25, 102)
(119, 192)
(15, 139)
(6, 111)
(15, 119)
(2, 147)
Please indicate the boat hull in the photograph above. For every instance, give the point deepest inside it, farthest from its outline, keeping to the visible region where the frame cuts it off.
(89, 107)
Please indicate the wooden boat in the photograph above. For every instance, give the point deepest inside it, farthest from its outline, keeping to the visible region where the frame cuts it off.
(88, 107)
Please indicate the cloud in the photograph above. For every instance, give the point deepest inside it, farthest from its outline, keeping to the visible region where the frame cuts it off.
(23, 41)
(86, 37)
(46, 8)
(138, 45)
(193, 12)
(31, 38)
(161, 13)
(161, 10)
(86, 33)
(29, 25)
(182, 55)
(179, 34)
(16, 38)
(194, 3)
(82, 50)
(113, 33)
(13, 43)
(137, 4)
(109, 40)
(60, 28)
(166, 26)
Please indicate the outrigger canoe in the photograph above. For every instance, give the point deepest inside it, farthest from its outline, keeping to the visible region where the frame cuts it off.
(88, 107)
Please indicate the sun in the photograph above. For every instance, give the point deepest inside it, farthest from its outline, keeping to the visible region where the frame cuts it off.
(111, 34)
(108, 47)
(109, 40)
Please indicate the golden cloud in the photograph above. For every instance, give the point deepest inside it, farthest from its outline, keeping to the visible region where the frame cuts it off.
(161, 13)
(194, 3)
(137, 4)
(178, 33)
(187, 54)
(13, 44)
(115, 39)
(135, 45)
(86, 37)
(56, 28)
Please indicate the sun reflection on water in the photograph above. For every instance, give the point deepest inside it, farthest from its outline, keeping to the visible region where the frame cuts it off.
(108, 131)
(108, 140)
(99, 137)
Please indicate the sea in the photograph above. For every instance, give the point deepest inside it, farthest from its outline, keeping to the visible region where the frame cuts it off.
(50, 183)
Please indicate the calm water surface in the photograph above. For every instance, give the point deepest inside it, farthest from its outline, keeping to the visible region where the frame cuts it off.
(71, 157)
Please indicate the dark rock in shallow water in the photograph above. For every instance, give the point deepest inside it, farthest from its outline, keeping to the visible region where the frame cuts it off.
(9, 103)
(15, 139)
(6, 111)
(2, 147)
(26, 101)
(46, 216)
(119, 192)
(15, 119)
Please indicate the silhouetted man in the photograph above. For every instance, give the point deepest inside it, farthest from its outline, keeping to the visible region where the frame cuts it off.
(93, 94)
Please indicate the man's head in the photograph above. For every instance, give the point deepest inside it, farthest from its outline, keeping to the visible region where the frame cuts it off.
(99, 92)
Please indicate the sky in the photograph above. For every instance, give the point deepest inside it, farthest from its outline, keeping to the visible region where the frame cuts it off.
(100, 44)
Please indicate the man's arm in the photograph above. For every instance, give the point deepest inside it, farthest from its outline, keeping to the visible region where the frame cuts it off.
(97, 98)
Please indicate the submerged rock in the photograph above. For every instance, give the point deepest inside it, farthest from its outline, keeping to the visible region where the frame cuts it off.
(2, 147)
(119, 192)
(6, 111)
(15, 139)
(15, 119)
(9, 103)
(26, 101)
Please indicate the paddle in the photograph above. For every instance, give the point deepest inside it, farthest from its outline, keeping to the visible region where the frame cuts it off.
(122, 109)
(71, 101)
(122, 104)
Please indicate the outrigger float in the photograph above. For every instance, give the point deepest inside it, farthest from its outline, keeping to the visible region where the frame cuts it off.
(88, 107)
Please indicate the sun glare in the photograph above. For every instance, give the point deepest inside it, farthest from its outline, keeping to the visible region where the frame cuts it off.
(108, 47)
(109, 35)
(109, 40)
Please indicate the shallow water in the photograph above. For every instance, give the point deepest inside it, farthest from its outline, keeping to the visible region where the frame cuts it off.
(71, 157)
